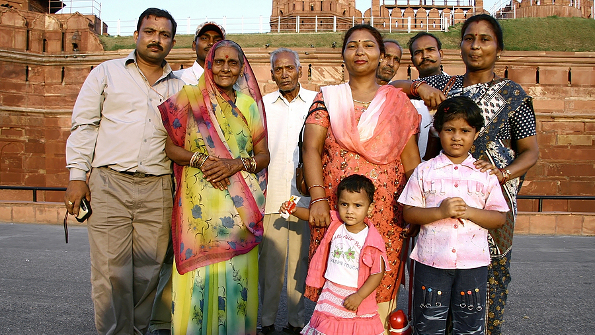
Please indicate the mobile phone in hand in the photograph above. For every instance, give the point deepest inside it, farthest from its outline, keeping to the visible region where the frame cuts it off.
(84, 210)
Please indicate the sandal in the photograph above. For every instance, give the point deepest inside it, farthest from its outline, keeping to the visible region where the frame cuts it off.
(265, 330)
(292, 329)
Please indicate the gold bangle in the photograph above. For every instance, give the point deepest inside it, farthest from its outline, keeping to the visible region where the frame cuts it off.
(311, 187)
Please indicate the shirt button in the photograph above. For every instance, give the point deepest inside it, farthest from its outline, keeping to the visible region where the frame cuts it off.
(456, 185)
(456, 167)
(454, 250)
(456, 226)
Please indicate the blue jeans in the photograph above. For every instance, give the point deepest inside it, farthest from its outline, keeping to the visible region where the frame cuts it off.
(435, 291)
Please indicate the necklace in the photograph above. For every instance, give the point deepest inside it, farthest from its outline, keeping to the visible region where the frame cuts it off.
(365, 103)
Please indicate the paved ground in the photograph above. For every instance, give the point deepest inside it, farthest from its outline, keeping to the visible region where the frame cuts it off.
(44, 283)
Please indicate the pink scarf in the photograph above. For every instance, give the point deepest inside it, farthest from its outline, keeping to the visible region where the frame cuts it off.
(383, 129)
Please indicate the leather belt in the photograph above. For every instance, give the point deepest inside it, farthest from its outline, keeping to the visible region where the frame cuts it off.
(137, 174)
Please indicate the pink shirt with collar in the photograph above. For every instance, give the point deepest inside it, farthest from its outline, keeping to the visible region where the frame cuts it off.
(372, 255)
(446, 243)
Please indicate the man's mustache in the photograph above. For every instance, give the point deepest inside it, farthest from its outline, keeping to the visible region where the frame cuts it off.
(158, 46)
(426, 61)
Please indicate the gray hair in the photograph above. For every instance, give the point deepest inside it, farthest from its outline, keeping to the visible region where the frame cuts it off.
(228, 43)
(395, 42)
(276, 53)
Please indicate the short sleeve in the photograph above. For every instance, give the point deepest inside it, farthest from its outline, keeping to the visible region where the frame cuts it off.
(318, 114)
(412, 194)
(495, 200)
(522, 122)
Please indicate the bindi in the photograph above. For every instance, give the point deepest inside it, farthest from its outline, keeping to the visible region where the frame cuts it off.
(226, 56)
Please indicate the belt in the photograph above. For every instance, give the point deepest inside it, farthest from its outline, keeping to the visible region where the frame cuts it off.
(137, 174)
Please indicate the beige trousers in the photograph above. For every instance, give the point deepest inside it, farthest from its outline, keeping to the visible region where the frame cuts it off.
(128, 236)
(285, 242)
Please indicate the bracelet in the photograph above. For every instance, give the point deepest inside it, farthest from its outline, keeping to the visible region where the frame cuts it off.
(414, 87)
(505, 175)
(196, 156)
(317, 200)
(204, 159)
(244, 163)
(311, 187)
(253, 165)
(249, 164)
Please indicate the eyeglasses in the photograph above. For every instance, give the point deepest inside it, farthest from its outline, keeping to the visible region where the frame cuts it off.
(66, 226)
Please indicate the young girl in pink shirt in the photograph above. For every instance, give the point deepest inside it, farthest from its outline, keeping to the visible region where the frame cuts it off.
(455, 203)
(348, 264)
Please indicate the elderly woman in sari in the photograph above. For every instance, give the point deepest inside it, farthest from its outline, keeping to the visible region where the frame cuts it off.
(507, 143)
(217, 139)
(364, 128)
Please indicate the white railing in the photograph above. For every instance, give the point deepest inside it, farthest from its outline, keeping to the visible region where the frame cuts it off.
(85, 7)
(297, 24)
(233, 25)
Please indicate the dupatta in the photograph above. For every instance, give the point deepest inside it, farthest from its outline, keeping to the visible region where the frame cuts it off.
(383, 129)
(209, 225)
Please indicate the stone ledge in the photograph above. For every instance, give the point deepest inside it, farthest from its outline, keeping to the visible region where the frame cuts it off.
(555, 223)
(528, 223)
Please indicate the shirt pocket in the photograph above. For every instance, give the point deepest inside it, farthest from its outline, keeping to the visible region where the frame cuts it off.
(476, 188)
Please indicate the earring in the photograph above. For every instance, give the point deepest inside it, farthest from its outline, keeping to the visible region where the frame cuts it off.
(497, 57)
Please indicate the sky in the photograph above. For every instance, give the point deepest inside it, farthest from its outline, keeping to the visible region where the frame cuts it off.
(189, 13)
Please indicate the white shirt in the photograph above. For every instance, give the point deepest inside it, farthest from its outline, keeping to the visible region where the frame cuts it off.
(190, 75)
(424, 125)
(284, 122)
(344, 256)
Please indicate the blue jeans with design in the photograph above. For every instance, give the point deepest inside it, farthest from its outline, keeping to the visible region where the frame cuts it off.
(435, 291)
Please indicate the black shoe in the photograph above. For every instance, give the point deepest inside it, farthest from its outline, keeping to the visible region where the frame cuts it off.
(159, 332)
(265, 330)
(292, 329)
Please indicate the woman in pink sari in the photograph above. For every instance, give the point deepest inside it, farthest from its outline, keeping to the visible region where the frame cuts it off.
(361, 127)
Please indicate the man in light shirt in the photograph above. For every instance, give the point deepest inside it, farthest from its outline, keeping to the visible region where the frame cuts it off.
(426, 56)
(389, 63)
(285, 241)
(117, 145)
(207, 34)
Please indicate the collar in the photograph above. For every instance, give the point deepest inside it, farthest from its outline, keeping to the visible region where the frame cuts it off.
(197, 69)
(131, 58)
(299, 95)
(442, 161)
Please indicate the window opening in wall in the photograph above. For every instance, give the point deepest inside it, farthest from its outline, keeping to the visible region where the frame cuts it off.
(506, 72)
(311, 7)
(63, 42)
(62, 75)
(537, 75)
(569, 76)
(91, 67)
(28, 41)
(26, 72)
(409, 72)
(44, 45)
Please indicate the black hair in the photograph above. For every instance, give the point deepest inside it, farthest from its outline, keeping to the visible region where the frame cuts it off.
(422, 34)
(458, 107)
(370, 29)
(496, 28)
(156, 12)
(357, 183)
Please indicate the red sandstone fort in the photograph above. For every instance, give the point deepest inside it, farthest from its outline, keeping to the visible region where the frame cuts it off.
(45, 57)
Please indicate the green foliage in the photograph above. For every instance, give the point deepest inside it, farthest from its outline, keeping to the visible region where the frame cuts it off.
(529, 34)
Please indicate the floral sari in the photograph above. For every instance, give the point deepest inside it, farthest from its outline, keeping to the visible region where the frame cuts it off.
(214, 232)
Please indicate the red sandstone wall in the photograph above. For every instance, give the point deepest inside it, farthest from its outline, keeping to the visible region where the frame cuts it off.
(35, 114)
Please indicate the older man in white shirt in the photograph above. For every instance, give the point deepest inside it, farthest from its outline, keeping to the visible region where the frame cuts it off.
(285, 241)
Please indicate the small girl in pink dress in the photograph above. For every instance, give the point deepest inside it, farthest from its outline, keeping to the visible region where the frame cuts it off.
(348, 264)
